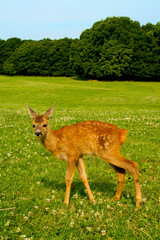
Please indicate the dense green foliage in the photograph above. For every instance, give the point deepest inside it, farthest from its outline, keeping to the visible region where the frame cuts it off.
(32, 180)
(118, 48)
(40, 58)
(114, 48)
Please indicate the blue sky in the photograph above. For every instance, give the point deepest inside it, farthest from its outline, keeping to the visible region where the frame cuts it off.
(55, 19)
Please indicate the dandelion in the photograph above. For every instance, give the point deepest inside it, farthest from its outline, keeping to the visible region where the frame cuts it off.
(103, 232)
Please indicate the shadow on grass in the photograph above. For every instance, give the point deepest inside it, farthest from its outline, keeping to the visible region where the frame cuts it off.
(106, 188)
(76, 78)
(78, 187)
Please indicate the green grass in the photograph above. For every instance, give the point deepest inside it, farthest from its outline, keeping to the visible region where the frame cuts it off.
(33, 181)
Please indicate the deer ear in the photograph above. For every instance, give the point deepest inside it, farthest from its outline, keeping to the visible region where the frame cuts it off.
(31, 112)
(49, 112)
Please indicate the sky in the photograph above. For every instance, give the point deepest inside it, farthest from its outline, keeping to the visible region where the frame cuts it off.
(55, 19)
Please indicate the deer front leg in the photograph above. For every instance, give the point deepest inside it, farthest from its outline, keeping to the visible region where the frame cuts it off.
(83, 177)
(69, 177)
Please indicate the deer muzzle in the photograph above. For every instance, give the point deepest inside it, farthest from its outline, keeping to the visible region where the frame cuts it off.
(38, 133)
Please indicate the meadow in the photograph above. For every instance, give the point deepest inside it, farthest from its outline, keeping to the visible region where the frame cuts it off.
(32, 180)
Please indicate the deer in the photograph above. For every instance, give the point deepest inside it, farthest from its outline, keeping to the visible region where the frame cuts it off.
(70, 143)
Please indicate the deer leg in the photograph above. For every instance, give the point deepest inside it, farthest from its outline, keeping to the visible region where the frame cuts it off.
(83, 177)
(130, 166)
(121, 179)
(69, 177)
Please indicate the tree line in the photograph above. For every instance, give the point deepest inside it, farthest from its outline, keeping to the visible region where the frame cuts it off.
(116, 48)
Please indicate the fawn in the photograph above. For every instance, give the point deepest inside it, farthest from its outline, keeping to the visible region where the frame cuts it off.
(71, 142)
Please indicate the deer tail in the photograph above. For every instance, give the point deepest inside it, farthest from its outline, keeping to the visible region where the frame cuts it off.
(123, 135)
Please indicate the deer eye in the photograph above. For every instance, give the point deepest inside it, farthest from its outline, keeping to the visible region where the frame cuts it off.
(33, 126)
(45, 125)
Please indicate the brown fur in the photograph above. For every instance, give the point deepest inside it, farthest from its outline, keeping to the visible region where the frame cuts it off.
(71, 142)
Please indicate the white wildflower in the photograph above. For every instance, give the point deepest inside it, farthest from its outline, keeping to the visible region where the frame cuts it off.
(75, 196)
(54, 212)
(103, 232)
(88, 229)
(72, 223)
(7, 223)
(29, 214)
(25, 218)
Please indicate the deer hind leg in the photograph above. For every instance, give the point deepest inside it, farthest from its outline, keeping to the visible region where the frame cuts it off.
(130, 166)
(69, 177)
(121, 179)
(83, 177)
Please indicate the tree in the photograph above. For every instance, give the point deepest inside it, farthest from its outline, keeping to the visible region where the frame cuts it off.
(58, 58)
(7, 48)
(117, 48)
(40, 58)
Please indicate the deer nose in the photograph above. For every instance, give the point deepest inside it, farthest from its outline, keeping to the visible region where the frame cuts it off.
(37, 134)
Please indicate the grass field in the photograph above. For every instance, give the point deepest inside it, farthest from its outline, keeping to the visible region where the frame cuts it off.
(32, 181)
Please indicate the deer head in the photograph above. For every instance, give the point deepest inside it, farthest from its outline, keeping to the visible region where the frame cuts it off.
(41, 122)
